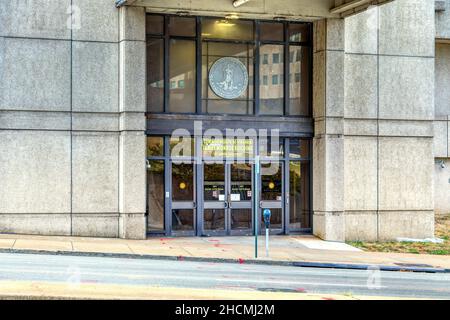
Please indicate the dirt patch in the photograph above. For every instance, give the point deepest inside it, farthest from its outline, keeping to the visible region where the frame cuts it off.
(442, 231)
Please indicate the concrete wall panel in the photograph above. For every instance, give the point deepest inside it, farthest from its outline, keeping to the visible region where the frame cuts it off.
(408, 224)
(443, 22)
(34, 74)
(31, 120)
(95, 173)
(361, 32)
(35, 18)
(98, 225)
(95, 77)
(441, 138)
(361, 88)
(406, 174)
(406, 88)
(361, 226)
(360, 161)
(442, 186)
(99, 21)
(442, 80)
(34, 172)
(37, 224)
(407, 28)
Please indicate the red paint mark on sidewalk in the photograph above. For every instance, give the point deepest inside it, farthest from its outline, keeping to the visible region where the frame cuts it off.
(302, 290)
(241, 261)
(180, 258)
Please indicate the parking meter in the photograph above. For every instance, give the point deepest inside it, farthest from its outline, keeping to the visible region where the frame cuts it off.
(267, 214)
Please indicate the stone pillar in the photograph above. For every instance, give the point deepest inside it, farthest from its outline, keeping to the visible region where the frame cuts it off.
(389, 108)
(328, 112)
(132, 105)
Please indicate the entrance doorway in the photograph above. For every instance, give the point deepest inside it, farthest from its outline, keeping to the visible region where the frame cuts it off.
(227, 196)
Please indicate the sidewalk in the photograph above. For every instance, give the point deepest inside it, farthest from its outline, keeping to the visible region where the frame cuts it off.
(284, 250)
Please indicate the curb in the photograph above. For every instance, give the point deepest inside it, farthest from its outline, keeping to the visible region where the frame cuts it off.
(302, 264)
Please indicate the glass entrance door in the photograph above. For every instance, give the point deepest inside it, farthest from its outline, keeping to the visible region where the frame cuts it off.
(183, 199)
(227, 199)
(271, 195)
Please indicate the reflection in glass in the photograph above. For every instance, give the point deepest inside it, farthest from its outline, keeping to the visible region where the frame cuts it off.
(241, 182)
(214, 219)
(182, 147)
(182, 220)
(299, 148)
(212, 51)
(268, 147)
(182, 71)
(241, 219)
(272, 31)
(155, 75)
(220, 149)
(276, 219)
(155, 146)
(272, 94)
(299, 85)
(182, 182)
(214, 182)
(213, 28)
(182, 26)
(154, 24)
(155, 195)
(271, 181)
(299, 208)
(299, 32)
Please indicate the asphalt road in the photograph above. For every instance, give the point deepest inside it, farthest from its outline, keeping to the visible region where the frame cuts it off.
(203, 275)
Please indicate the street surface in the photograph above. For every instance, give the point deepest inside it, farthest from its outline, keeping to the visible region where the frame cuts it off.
(72, 271)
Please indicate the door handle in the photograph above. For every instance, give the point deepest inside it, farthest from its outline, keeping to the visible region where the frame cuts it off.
(194, 205)
(226, 205)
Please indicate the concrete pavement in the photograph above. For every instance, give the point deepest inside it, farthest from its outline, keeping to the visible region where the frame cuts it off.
(283, 250)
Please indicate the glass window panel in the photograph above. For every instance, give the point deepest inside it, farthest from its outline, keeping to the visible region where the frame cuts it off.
(155, 146)
(299, 148)
(155, 196)
(182, 26)
(214, 182)
(214, 219)
(241, 181)
(182, 147)
(269, 148)
(272, 31)
(182, 182)
(271, 181)
(182, 220)
(228, 148)
(155, 75)
(212, 103)
(299, 87)
(272, 95)
(241, 219)
(182, 67)
(299, 32)
(213, 28)
(299, 205)
(154, 24)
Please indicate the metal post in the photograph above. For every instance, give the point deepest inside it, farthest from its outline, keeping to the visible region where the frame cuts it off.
(267, 242)
(256, 205)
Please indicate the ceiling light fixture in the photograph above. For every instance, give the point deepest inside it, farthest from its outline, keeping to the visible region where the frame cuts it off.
(238, 3)
(232, 16)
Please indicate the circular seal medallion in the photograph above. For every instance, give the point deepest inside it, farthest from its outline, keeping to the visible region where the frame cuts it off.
(228, 78)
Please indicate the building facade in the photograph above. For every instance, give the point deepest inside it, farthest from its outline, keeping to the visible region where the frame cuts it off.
(190, 118)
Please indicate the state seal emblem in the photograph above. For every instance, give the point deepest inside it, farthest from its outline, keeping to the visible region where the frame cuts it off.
(228, 78)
